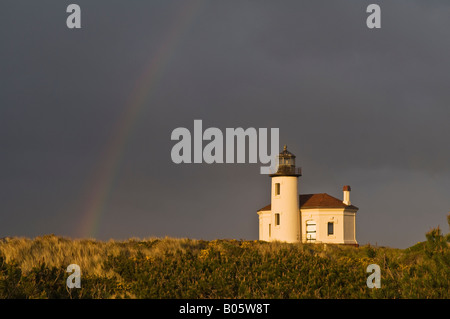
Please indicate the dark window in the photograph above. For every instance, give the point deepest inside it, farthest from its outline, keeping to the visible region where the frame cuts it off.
(277, 188)
(330, 229)
(277, 219)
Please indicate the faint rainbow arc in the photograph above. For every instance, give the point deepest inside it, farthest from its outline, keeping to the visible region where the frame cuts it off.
(109, 164)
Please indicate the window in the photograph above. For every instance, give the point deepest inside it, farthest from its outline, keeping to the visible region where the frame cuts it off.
(277, 219)
(277, 188)
(330, 229)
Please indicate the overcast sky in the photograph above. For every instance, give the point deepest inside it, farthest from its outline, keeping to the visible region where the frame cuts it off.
(361, 107)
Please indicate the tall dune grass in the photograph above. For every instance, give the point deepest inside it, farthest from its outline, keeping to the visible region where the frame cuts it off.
(225, 268)
(89, 254)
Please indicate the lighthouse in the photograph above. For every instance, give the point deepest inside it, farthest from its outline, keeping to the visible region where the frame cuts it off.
(285, 218)
(308, 218)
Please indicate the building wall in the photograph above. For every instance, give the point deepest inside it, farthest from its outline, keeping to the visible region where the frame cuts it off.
(264, 221)
(343, 225)
(286, 205)
(350, 227)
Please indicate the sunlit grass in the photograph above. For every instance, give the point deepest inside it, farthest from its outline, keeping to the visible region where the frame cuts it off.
(226, 268)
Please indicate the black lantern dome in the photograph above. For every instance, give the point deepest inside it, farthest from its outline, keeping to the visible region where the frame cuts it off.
(286, 164)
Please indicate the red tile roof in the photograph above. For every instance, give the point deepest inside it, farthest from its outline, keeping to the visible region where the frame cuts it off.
(268, 207)
(322, 200)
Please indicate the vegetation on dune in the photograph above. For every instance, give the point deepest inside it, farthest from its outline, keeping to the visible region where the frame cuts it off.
(187, 268)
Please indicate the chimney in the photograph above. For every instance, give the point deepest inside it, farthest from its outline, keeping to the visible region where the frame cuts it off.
(347, 190)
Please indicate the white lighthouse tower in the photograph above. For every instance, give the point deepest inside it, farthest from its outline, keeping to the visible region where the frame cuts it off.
(284, 223)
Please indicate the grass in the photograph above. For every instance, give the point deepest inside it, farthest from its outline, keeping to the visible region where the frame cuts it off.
(188, 268)
(89, 254)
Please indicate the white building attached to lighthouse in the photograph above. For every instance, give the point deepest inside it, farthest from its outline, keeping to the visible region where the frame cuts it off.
(308, 218)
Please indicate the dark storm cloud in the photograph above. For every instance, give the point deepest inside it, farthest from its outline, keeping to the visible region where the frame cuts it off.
(362, 107)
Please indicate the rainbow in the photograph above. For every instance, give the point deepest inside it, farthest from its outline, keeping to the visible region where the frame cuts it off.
(100, 185)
